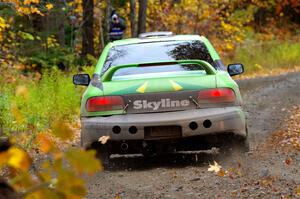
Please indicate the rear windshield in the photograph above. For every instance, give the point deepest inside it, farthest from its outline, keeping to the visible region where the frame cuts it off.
(156, 52)
(169, 70)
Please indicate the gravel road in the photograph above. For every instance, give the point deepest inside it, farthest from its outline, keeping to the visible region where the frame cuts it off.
(262, 173)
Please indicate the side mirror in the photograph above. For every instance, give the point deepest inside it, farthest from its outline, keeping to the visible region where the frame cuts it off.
(81, 79)
(235, 69)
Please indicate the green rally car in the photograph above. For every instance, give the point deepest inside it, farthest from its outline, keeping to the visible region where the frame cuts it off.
(160, 93)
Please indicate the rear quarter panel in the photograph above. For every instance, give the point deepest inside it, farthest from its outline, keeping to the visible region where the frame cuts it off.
(223, 80)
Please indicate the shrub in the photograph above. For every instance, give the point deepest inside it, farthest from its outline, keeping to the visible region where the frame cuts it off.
(28, 103)
(268, 55)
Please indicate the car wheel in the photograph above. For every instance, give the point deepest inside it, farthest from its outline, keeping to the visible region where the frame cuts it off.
(148, 152)
(102, 153)
(235, 144)
(245, 145)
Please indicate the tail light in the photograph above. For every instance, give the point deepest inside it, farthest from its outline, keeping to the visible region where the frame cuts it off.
(218, 95)
(107, 103)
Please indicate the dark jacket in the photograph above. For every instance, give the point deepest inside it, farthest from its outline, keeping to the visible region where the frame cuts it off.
(116, 30)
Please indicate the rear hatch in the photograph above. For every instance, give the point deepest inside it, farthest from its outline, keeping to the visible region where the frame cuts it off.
(159, 87)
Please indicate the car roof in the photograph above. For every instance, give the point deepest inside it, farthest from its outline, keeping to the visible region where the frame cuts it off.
(156, 39)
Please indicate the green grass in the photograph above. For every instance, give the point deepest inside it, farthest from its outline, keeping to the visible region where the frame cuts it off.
(38, 103)
(267, 55)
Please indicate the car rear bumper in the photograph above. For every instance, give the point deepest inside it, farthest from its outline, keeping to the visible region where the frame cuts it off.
(222, 120)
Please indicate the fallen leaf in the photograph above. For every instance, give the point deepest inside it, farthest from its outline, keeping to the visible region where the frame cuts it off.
(214, 168)
(103, 139)
(288, 161)
(118, 196)
(239, 172)
(221, 173)
(297, 191)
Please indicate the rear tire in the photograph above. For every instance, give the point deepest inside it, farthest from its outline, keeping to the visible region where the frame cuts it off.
(148, 152)
(102, 153)
(235, 144)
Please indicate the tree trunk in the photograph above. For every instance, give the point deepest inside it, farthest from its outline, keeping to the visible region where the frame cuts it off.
(60, 22)
(107, 18)
(101, 34)
(88, 28)
(142, 16)
(132, 18)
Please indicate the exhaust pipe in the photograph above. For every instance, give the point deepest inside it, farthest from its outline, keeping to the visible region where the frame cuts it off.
(124, 146)
(207, 124)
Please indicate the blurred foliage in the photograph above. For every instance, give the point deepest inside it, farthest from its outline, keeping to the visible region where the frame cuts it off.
(267, 55)
(39, 114)
(60, 174)
(37, 103)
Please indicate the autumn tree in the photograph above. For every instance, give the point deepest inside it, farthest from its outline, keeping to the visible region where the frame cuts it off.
(132, 18)
(88, 28)
(60, 14)
(142, 16)
(108, 11)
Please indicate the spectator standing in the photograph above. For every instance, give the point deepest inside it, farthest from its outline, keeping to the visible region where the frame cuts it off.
(117, 27)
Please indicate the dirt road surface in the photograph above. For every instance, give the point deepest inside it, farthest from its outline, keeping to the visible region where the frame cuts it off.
(265, 172)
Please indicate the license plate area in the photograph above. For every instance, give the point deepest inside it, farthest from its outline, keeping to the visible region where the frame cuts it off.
(162, 132)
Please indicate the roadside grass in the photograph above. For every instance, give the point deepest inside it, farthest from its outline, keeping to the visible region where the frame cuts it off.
(260, 57)
(32, 105)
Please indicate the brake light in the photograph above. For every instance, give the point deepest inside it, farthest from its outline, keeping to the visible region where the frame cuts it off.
(218, 95)
(107, 103)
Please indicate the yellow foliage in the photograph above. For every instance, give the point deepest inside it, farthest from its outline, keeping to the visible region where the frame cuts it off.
(18, 158)
(4, 156)
(49, 6)
(51, 42)
(22, 91)
(28, 2)
(26, 7)
(35, 10)
(62, 130)
(229, 46)
(257, 67)
(17, 114)
(44, 142)
(83, 161)
(42, 194)
(72, 187)
(3, 25)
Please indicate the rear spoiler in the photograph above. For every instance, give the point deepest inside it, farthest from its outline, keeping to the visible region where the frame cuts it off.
(107, 76)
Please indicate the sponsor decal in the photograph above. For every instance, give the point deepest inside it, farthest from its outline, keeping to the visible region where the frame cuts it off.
(163, 103)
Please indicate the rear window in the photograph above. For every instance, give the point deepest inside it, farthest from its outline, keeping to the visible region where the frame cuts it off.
(169, 70)
(156, 52)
